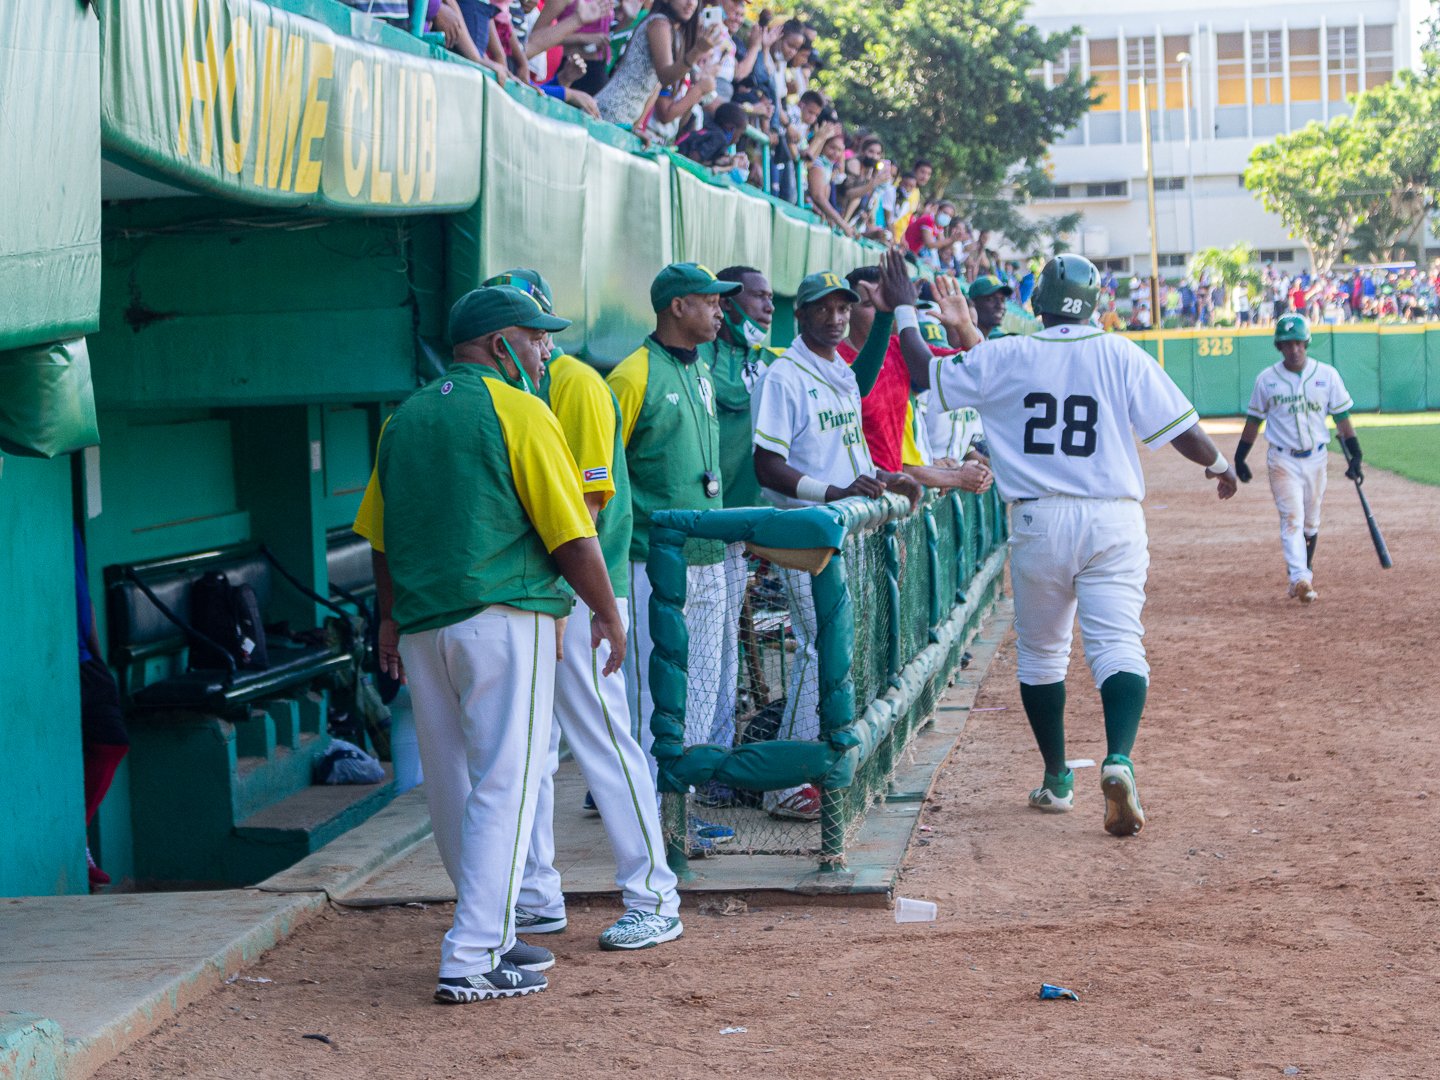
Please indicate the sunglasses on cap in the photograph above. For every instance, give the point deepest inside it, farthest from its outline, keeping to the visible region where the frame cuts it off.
(527, 287)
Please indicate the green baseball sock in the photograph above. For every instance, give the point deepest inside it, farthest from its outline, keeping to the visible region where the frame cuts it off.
(1123, 695)
(1045, 708)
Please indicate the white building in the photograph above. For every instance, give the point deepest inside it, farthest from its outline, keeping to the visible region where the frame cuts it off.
(1242, 72)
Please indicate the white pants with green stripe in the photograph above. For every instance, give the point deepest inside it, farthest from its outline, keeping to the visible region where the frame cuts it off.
(483, 694)
(592, 710)
(801, 719)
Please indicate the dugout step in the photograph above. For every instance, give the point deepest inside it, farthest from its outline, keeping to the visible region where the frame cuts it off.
(286, 831)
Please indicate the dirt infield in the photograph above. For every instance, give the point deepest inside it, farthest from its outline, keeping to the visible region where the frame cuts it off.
(1279, 916)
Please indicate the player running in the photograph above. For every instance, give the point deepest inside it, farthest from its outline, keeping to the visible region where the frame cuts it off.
(1292, 398)
(1061, 409)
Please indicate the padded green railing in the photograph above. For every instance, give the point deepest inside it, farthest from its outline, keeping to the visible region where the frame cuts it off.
(895, 606)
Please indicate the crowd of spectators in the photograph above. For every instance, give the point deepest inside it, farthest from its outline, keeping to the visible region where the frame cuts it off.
(739, 97)
(1394, 293)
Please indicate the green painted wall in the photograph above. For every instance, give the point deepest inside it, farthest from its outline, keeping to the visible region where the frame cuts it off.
(1390, 368)
(42, 805)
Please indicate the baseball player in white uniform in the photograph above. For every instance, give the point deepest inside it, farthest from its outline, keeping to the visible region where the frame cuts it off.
(1292, 398)
(1062, 409)
(810, 449)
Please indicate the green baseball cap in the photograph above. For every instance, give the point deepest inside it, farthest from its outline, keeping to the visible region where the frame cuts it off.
(527, 281)
(486, 310)
(687, 279)
(1292, 328)
(819, 285)
(933, 332)
(989, 285)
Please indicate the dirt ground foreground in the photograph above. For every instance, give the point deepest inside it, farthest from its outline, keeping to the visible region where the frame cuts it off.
(1277, 917)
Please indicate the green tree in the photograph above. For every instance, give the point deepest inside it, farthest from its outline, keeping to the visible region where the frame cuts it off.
(1312, 180)
(1230, 266)
(949, 81)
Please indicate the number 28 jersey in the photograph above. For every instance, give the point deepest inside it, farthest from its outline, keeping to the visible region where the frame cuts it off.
(1062, 409)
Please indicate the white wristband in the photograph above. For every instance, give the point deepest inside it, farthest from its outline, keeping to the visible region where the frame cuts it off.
(1220, 466)
(810, 489)
(906, 318)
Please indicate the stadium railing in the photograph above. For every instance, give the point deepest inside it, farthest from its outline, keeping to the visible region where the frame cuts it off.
(805, 647)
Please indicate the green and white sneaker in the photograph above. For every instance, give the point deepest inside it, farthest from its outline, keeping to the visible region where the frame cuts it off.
(640, 930)
(1056, 794)
(1123, 816)
(528, 922)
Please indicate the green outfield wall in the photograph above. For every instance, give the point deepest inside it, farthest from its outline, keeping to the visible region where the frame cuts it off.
(1390, 368)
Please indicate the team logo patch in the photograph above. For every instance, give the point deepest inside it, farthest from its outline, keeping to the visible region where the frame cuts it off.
(673, 399)
(814, 393)
(446, 386)
(592, 475)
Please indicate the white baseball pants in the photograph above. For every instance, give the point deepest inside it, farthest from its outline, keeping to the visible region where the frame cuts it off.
(801, 719)
(1069, 553)
(483, 692)
(594, 713)
(1298, 485)
(705, 611)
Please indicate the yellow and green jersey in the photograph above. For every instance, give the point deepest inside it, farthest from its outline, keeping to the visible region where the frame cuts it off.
(474, 487)
(737, 371)
(672, 439)
(590, 418)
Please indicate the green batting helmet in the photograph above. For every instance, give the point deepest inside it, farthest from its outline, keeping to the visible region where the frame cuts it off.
(1068, 286)
(1292, 328)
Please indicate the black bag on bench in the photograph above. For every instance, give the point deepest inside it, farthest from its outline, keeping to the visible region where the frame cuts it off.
(229, 616)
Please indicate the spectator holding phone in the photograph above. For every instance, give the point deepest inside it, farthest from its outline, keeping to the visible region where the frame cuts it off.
(824, 166)
(863, 176)
(664, 49)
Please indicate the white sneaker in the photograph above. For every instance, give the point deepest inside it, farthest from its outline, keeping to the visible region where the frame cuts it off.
(640, 930)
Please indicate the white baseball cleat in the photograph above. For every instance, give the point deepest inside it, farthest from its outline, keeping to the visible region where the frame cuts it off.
(1304, 591)
(1123, 816)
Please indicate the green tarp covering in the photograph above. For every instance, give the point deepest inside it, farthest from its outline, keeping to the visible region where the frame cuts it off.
(47, 406)
(49, 171)
(627, 228)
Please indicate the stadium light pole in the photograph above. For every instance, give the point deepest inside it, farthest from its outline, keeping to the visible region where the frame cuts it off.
(1150, 198)
(1185, 60)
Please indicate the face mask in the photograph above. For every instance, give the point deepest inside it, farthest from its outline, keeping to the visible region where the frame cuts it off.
(523, 383)
(747, 330)
(942, 220)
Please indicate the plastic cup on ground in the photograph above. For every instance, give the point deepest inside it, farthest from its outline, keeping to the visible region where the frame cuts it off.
(907, 910)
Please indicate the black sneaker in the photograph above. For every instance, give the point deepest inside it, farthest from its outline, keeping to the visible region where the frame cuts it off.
(505, 981)
(529, 957)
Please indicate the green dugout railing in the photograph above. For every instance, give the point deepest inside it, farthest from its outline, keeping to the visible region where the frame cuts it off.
(1391, 368)
(899, 596)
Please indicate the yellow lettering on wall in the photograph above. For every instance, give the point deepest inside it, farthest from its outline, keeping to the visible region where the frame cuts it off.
(429, 120)
(237, 95)
(322, 67)
(198, 79)
(267, 78)
(280, 107)
(406, 117)
(381, 180)
(357, 154)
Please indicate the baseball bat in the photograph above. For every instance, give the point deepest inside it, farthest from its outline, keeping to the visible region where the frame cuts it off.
(1376, 537)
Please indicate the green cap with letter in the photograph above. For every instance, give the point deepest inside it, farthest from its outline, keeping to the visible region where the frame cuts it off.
(1292, 327)
(687, 279)
(820, 285)
(1068, 286)
(486, 310)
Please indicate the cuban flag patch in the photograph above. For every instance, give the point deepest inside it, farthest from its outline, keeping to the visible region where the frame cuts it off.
(594, 475)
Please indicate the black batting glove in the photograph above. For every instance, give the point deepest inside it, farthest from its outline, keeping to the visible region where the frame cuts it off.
(1352, 451)
(1242, 471)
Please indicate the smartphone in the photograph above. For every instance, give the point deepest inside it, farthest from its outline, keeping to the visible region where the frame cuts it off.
(712, 16)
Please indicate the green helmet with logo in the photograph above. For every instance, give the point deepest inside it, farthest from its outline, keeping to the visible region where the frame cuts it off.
(1292, 328)
(1068, 286)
